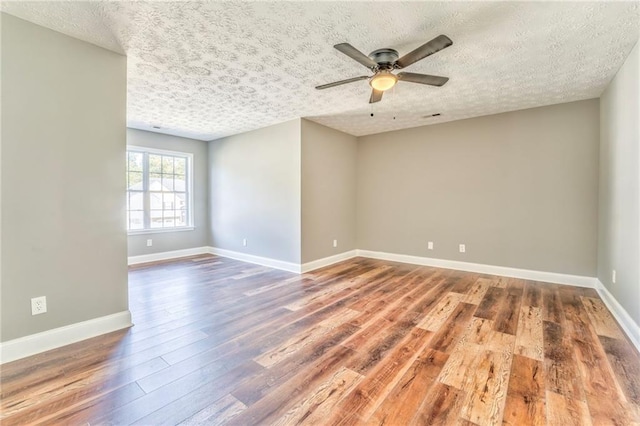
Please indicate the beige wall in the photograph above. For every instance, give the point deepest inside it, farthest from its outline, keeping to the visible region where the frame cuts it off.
(519, 189)
(168, 241)
(63, 179)
(254, 192)
(328, 191)
(619, 213)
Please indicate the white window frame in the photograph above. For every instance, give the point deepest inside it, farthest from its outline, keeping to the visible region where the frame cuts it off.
(145, 176)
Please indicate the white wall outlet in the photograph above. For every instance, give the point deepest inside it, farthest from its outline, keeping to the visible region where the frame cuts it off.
(244, 242)
(38, 305)
(430, 245)
(462, 248)
(335, 243)
(613, 276)
(149, 242)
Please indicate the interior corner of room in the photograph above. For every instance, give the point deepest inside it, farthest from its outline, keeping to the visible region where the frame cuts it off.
(549, 193)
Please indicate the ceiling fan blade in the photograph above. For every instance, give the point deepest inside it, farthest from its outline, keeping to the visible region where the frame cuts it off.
(338, 83)
(431, 80)
(357, 55)
(429, 48)
(376, 96)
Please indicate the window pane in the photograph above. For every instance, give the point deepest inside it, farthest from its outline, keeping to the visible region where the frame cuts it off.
(181, 201)
(135, 181)
(155, 163)
(155, 182)
(167, 182)
(135, 161)
(156, 218)
(180, 184)
(168, 201)
(136, 201)
(180, 165)
(155, 200)
(167, 165)
(136, 219)
(181, 218)
(169, 218)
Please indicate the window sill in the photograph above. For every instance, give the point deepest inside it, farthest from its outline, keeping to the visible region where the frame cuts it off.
(159, 230)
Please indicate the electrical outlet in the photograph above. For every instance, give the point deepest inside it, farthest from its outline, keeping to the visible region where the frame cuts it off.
(462, 248)
(430, 245)
(335, 243)
(244, 242)
(613, 276)
(149, 242)
(38, 305)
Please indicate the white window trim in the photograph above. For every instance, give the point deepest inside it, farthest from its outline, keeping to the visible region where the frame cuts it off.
(190, 178)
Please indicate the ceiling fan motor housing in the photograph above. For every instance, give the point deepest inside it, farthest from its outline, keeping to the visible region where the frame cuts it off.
(385, 58)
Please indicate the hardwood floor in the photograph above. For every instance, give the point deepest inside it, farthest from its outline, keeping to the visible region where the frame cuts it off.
(218, 341)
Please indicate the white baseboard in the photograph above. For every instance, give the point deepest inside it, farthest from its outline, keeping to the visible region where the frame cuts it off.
(621, 315)
(326, 261)
(165, 255)
(264, 261)
(35, 343)
(549, 277)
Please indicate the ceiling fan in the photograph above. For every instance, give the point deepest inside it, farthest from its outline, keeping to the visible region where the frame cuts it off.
(383, 61)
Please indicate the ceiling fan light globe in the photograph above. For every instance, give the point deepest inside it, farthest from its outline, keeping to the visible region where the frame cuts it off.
(383, 81)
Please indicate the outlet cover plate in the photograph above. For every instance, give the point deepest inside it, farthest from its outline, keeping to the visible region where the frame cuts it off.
(38, 305)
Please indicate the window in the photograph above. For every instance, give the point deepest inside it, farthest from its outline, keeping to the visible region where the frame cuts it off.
(158, 190)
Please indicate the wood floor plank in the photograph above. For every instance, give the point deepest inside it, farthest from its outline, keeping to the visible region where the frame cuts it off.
(252, 389)
(500, 282)
(525, 403)
(561, 371)
(216, 414)
(562, 410)
(176, 409)
(529, 340)
(532, 295)
(491, 303)
(293, 345)
(601, 318)
(453, 328)
(405, 399)
(605, 397)
(368, 394)
(477, 291)
(74, 408)
(551, 306)
(441, 406)
(363, 341)
(625, 362)
(276, 403)
(320, 403)
(204, 379)
(487, 390)
(507, 318)
(438, 316)
(460, 366)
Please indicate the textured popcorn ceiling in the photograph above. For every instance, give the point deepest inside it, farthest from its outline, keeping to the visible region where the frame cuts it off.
(211, 69)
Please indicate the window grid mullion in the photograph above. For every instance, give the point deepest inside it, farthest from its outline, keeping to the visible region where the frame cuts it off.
(146, 203)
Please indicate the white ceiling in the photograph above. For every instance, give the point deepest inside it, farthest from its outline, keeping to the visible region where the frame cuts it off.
(211, 69)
